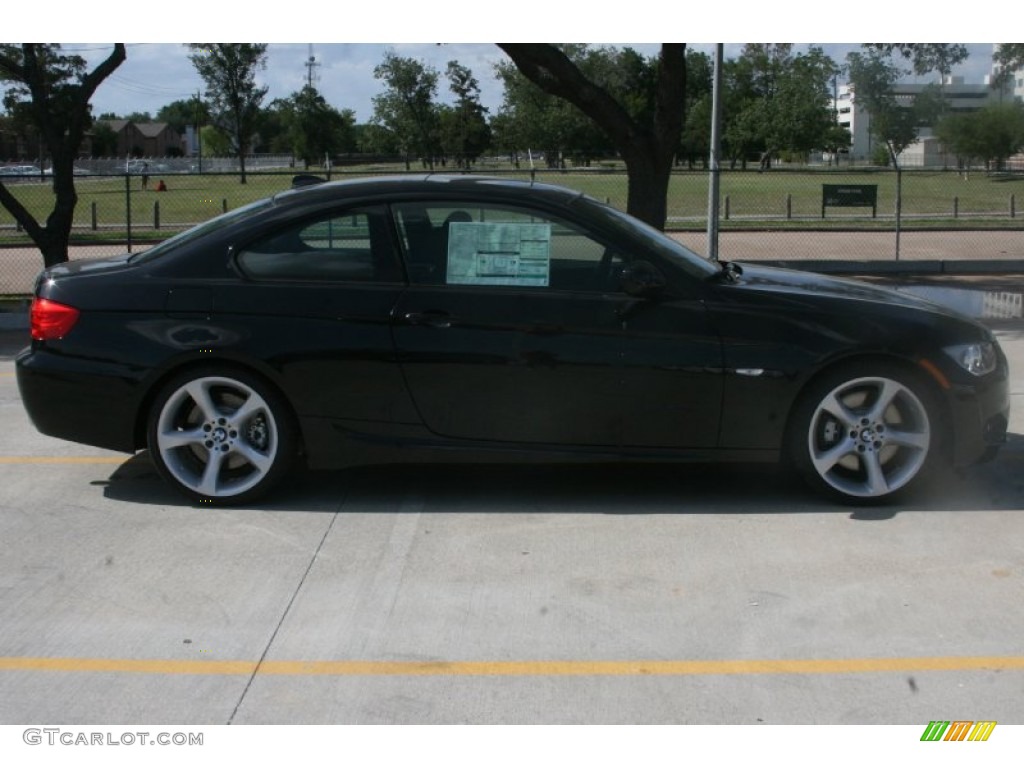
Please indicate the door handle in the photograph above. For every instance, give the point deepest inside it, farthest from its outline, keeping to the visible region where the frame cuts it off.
(432, 319)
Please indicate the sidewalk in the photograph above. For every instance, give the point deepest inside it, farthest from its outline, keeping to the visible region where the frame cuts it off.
(862, 253)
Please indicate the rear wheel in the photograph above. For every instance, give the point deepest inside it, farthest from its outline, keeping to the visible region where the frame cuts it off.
(221, 436)
(865, 434)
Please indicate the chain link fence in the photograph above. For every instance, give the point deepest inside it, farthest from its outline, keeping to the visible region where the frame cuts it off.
(780, 214)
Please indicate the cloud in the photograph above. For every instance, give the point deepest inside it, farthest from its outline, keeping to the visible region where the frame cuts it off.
(156, 74)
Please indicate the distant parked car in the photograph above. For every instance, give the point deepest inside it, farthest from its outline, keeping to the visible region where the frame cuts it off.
(21, 170)
(138, 167)
(75, 171)
(465, 319)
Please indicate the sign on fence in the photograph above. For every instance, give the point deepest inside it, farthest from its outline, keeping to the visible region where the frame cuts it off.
(849, 196)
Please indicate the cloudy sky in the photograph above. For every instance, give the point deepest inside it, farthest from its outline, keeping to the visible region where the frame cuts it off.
(157, 70)
(155, 74)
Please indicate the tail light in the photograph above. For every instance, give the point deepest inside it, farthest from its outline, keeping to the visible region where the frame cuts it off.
(51, 319)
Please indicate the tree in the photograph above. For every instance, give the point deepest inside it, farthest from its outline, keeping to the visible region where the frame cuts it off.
(182, 113)
(778, 103)
(696, 137)
(992, 134)
(229, 71)
(51, 91)
(215, 142)
(104, 140)
(925, 57)
(464, 132)
(312, 129)
(645, 130)
(406, 108)
(895, 123)
(1010, 58)
(543, 124)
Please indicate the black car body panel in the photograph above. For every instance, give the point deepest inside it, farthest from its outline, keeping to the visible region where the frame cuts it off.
(709, 366)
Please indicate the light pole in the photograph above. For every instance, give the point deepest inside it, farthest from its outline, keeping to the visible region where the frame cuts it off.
(713, 182)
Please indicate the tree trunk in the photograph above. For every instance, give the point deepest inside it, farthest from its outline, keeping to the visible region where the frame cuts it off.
(58, 223)
(62, 125)
(648, 179)
(647, 148)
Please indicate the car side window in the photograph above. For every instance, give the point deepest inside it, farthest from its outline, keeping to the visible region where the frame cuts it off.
(352, 245)
(448, 243)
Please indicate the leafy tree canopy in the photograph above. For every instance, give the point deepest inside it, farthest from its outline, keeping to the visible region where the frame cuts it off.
(229, 71)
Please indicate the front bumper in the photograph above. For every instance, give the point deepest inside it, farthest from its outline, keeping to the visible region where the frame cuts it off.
(980, 416)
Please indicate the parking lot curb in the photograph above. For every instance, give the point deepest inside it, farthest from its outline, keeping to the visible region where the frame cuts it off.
(14, 321)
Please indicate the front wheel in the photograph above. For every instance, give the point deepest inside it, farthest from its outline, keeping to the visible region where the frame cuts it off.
(866, 434)
(221, 436)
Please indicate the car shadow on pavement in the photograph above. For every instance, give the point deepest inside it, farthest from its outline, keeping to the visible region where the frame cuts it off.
(614, 489)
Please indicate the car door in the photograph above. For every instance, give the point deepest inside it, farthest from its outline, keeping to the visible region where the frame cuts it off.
(318, 300)
(514, 329)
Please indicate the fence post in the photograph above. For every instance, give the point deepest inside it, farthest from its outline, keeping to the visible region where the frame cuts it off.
(727, 206)
(128, 208)
(956, 207)
(1013, 206)
(789, 206)
(156, 214)
(224, 205)
(95, 219)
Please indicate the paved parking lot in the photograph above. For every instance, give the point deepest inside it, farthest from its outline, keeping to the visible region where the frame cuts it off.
(504, 594)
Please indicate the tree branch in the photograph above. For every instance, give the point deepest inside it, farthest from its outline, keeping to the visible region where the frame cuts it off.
(552, 71)
(20, 213)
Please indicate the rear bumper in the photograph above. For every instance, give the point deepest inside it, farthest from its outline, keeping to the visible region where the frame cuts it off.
(88, 402)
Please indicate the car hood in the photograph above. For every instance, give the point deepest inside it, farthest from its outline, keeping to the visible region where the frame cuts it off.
(808, 284)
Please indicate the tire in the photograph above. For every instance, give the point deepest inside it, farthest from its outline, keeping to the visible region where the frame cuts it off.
(221, 436)
(865, 434)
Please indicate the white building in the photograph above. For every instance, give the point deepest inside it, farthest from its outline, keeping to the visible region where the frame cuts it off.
(926, 151)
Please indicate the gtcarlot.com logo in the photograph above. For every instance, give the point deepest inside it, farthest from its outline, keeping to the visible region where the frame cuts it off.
(958, 730)
(57, 736)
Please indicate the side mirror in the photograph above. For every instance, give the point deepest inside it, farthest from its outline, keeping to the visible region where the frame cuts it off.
(641, 279)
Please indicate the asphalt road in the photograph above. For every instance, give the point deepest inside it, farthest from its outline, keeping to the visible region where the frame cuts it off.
(504, 594)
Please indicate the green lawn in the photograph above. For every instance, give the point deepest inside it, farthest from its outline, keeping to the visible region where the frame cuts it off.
(774, 199)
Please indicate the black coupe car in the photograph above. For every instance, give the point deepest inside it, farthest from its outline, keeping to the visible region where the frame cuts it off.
(470, 319)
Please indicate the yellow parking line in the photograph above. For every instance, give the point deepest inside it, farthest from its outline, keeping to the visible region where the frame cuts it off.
(64, 459)
(517, 668)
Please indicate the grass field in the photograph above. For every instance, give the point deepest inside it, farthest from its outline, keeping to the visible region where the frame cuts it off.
(774, 199)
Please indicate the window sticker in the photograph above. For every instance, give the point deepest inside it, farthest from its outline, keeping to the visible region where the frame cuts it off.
(499, 253)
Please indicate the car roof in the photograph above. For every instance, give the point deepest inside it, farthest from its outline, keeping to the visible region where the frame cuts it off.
(428, 184)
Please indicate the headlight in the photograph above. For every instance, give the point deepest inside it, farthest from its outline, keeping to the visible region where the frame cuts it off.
(978, 359)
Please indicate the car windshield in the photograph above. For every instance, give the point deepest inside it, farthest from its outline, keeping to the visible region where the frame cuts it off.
(658, 241)
(224, 220)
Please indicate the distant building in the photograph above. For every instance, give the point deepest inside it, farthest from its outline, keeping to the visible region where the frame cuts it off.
(129, 138)
(159, 140)
(926, 151)
(144, 139)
